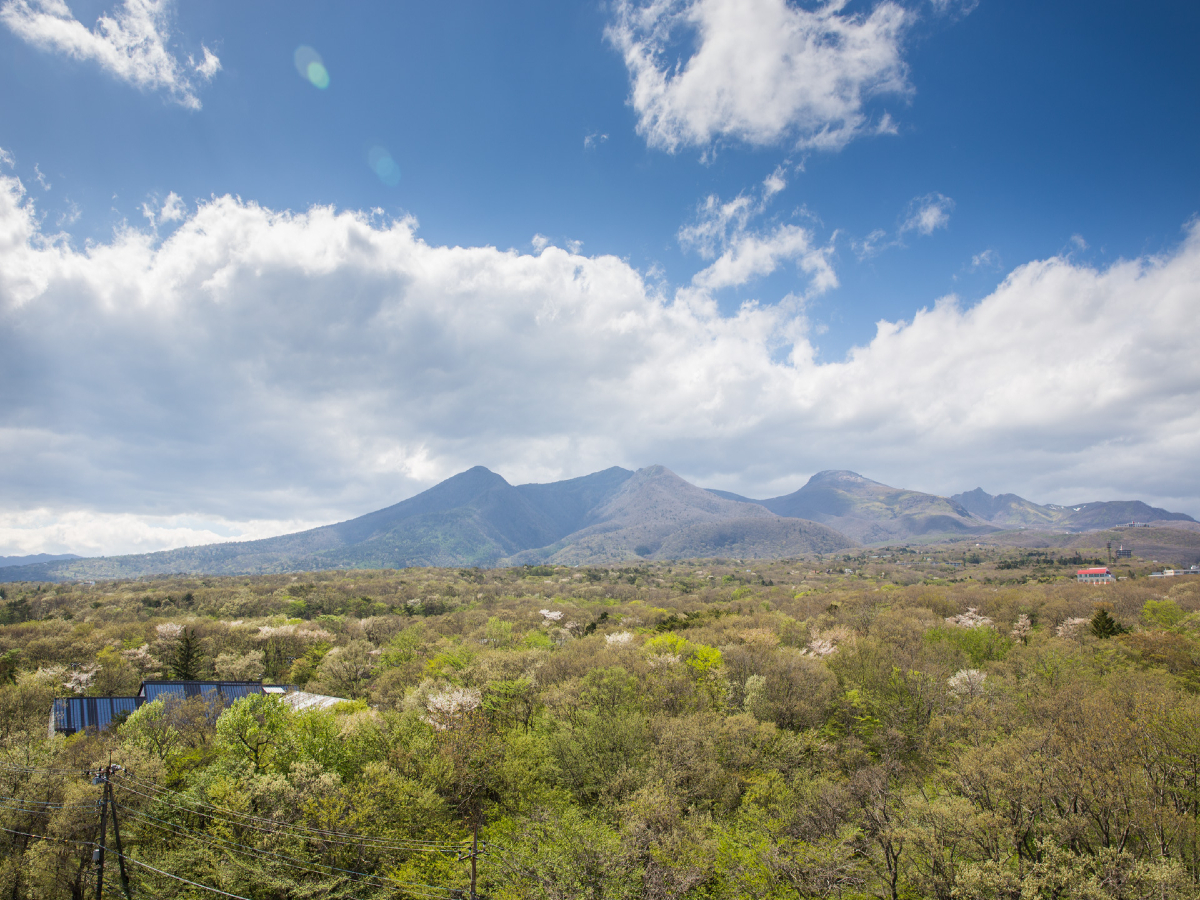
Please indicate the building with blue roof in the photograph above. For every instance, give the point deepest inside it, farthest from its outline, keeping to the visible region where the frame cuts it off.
(71, 714)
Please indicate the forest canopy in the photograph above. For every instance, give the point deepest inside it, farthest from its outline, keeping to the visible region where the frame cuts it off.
(881, 725)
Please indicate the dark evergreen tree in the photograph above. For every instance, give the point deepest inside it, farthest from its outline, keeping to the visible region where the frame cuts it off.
(1104, 625)
(188, 656)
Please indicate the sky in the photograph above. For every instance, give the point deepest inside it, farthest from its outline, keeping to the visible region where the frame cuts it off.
(267, 266)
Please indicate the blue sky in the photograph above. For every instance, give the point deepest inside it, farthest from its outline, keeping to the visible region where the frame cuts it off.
(653, 168)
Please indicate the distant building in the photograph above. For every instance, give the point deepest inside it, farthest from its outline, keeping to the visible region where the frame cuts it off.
(1171, 573)
(1094, 576)
(1122, 553)
(71, 714)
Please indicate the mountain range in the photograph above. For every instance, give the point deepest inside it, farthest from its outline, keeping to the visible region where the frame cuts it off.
(1011, 511)
(6, 561)
(476, 518)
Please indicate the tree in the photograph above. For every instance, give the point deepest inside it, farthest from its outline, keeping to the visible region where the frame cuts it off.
(1104, 625)
(254, 727)
(187, 656)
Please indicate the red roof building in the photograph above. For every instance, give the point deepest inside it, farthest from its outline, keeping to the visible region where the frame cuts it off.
(1099, 575)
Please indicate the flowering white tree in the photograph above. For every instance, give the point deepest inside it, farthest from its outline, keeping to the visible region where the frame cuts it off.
(80, 680)
(1022, 629)
(446, 708)
(618, 639)
(967, 683)
(825, 643)
(142, 661)
(1072, 628)
(970, 619)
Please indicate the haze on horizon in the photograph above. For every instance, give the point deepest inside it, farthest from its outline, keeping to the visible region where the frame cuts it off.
(260, 273)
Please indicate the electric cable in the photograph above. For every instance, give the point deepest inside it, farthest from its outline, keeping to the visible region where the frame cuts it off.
(298, 830)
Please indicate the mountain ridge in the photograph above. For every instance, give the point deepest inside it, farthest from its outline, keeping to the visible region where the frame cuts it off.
(476, 518)
(1012, 511)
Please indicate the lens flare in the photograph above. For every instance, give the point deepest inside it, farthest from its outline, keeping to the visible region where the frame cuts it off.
(384, 166)
(311, 67)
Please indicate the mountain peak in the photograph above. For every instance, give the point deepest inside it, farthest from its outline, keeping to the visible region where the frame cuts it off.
(836, 477)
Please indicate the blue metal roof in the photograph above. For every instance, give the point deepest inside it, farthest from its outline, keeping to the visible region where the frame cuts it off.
(72, 714)
(223, 691)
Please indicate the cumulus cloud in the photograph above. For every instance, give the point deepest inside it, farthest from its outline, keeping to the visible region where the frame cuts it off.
(131, 43)
(266, 366)
(759, 71)
(927, 214)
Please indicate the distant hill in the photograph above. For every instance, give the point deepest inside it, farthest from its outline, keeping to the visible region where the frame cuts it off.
(873, 513)
(6, 561)
(1011, 511)
(476, 518)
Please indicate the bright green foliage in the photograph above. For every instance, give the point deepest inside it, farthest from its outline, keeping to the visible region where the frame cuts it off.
(981, 645)
(253, 729)
(1163, 613)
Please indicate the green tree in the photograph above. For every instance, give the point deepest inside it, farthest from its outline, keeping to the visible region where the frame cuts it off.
(1104, 625)
(254, 728)
(187, 656)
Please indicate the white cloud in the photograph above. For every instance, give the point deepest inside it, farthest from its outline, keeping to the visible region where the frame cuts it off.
(760, 71)
(750, 256)
(131, 43)
(70, 215)
(594, 140)
(986, 260)
(722, 233)
(88, 533)
(262, 366)
(172, 209)
(41, 179)
(873, 243)
(927, 214)
(924, 215)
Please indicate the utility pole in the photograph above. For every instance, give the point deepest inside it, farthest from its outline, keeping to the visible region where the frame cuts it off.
(473, 856)
(106, 801)
(98, 853)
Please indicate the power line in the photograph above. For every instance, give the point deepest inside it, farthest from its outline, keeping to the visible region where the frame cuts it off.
(47, 808)
(297, 830)
(46, 837)
(357, 837)
(244, 849)
(290, 861)
(203, 887)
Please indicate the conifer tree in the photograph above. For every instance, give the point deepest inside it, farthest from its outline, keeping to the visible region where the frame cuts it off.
(1104, 625)
(188, 655)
